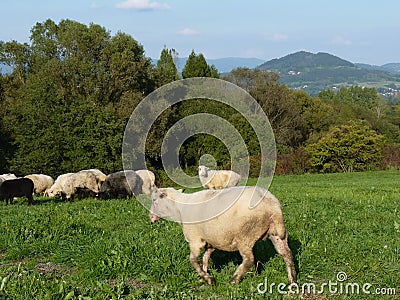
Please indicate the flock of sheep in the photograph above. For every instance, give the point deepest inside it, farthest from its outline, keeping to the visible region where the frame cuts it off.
(90, 182)
(223, 216)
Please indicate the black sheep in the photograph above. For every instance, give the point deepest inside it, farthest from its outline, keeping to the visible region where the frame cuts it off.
(17, 188)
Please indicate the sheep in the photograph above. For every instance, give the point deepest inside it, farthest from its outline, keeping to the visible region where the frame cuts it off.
(148, 179)
(8, 176)
(41, 182)
(58, 186)
(101, 177)
(121, 184)
(17, 188)
(215, 180)
(84, 180)
(243, 215)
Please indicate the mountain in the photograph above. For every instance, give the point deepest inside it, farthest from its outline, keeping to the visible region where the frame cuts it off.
(304, 60)
(315, 72)
(223, 65)
(393, 68)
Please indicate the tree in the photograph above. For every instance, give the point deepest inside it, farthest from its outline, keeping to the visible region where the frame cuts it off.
(166, 71)
(196, 66)
(275, 99)
(72, 90)
(346, 148)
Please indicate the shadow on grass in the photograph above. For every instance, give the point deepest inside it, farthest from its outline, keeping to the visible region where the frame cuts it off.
(263, 251)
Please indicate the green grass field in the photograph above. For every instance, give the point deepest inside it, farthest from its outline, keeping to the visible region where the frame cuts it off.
(95, 249)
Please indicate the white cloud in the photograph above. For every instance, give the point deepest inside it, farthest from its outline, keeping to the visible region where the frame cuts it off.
(188, 31)
(142, 5)
(340, 40)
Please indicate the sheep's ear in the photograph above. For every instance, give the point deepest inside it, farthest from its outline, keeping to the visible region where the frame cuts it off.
(181, 190)
(162, 195)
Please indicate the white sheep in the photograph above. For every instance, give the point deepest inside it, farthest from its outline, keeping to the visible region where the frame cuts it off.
(148, 179)
(243, 215)
(84, 180)
(215, 180)
(58, 186)
(7, 176)
(41, 182)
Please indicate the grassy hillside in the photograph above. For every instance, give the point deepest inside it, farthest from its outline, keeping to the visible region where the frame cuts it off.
(92, 249)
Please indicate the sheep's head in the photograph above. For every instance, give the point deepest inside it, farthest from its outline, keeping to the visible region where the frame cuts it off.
(156, 196)
(163, 204)
(51, 192)
(203, 171)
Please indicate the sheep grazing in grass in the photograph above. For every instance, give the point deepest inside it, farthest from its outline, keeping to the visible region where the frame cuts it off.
(148, 179)
(215, 180)
(58, 186)
(41, 182)
(19, 187)
(121, 184)
(84, 181)
(248, 214)
(88, 181)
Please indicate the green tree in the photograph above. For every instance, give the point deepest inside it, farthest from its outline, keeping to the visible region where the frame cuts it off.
(346, 148)
(72, 90)
(196, 66)
(166, 70)
(276, 100)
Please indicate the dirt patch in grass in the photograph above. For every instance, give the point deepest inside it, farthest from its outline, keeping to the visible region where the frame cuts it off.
(13, 264)
(53, 270)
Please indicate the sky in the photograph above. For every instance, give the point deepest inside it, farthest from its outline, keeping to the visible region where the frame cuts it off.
(356, 30)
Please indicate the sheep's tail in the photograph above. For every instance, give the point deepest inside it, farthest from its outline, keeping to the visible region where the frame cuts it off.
(277, 225)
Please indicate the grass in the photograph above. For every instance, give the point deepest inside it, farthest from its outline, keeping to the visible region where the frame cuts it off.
(94, 249)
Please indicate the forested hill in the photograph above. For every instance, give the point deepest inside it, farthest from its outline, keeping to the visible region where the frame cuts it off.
(315, 72)
(304, 60)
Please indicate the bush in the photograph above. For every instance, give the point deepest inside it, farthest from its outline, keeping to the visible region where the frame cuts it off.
(351, 147)
(295, 161)
(390, 157)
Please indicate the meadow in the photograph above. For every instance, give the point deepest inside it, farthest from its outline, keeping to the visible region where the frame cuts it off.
(344, 232)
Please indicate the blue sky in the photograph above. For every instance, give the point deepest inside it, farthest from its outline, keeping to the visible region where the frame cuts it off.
(359, 31)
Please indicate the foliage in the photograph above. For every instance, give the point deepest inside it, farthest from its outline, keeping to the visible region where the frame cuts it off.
(351, 147)
(276, 100)
(93, 249)
(166, 70)
(196, 66)
(67, 100)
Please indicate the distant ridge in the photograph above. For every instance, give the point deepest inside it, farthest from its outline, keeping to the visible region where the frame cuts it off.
(393, 68)
(316, 72)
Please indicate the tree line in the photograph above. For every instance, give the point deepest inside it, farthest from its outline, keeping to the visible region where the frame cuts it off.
(65, 105)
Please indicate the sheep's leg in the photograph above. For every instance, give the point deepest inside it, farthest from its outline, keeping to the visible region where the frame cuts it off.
(282, 247)
(195, 250)
(206, 257)
(247, 263)
(30, 199)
